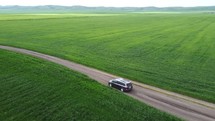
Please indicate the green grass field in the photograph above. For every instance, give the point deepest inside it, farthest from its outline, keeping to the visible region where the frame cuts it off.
(47, 16)
(34, 90)
(170, 51)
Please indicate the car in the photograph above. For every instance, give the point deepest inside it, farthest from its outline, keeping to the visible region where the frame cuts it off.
(121, 84)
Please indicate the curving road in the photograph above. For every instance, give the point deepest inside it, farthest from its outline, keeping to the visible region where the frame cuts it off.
(181, 106)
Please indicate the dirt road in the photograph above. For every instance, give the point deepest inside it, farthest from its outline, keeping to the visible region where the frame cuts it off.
(181, 106)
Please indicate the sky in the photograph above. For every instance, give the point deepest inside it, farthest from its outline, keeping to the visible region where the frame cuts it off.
(112, 3)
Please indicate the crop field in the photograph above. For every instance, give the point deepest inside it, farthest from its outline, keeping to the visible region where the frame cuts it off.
(33, 89)
(175, 52)
(47, 16)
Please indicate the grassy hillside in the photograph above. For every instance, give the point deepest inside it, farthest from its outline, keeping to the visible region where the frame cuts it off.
(35, 90)
(170, 51)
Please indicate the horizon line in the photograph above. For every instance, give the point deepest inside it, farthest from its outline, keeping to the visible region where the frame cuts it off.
(107, 6)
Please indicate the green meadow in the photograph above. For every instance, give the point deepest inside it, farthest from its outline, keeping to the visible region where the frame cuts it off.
(175, 52)
(36, 90)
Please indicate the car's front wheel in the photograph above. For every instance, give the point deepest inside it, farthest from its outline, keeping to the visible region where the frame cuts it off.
(110, 85)
(122, 89)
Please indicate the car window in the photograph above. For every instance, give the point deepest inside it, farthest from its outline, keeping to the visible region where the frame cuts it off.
(120, 83)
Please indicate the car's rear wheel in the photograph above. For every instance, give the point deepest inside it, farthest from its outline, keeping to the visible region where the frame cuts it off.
(110, 85)
(122, 89)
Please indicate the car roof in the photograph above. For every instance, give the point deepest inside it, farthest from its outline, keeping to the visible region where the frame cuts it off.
(122, 80)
